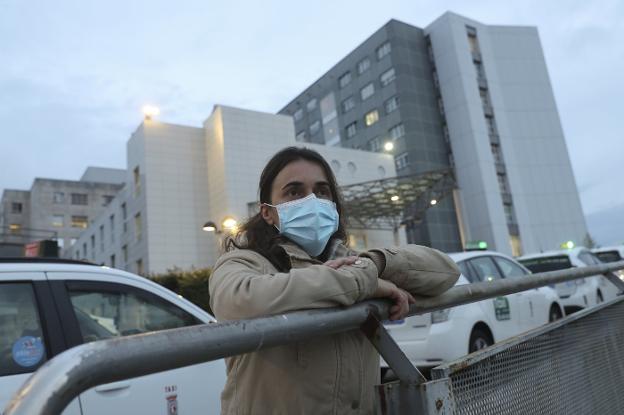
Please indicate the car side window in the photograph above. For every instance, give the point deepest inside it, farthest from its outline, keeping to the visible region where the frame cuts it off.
(466, 271)
(22, 344)
(105, 313)
(508, 268)
(485, 268)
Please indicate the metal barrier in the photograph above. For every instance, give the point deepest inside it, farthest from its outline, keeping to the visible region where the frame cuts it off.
(50, 389)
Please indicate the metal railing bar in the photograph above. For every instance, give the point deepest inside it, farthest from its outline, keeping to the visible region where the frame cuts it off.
(55, 384)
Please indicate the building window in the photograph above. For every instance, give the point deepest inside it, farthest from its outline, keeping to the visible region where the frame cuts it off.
(15, 228)
(301, 136)
(374, 144)
(59, 197)
(392, 104)
(124, 253)
(93, 247)
(101, 237)
(401, 161)
(112, 261)
(491, 125)
(79, 199)
(367, 91)
(396, 132)
(139, 266)
(344, 80)
(383, 50)
(363, 66)
(298, 114)
(348, 104)
(111, 220)
(124, 217)
(84, 250)
(315, 127)
(502, 183)
(72, 241)
(79, 221)
(137, 181)
(138, 230)
(351, 129)
(509, 215)
(311, 105)
(371, 118)
(57, 221)
(16, 207)
(387, 77)
(106, 199)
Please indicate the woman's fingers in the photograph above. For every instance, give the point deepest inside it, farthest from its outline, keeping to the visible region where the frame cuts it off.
(339, 262)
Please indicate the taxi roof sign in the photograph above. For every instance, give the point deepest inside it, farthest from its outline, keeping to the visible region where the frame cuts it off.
(476, 246)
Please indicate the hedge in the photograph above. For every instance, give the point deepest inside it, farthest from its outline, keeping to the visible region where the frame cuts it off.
(191, 284)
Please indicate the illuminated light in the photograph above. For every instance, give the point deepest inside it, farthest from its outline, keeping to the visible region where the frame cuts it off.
(150, 111)
(433, 202)
(229, 224)
(209, 227)
(14, 227)
(394, 198)
(483, 245)
(476, 245)
(567, 245)
(389, 146)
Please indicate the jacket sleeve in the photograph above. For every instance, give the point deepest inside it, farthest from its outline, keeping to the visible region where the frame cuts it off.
(242, 286)
(417, 269)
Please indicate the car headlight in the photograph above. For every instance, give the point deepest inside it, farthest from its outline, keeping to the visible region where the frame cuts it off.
(580, 281)
(440, 316)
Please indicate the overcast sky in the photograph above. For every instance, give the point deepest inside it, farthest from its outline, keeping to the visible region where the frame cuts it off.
(75, 74)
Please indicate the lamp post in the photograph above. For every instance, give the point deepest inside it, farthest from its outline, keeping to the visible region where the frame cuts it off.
(228, 224)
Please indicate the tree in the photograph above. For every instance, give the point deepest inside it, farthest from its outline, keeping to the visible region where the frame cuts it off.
(191, 284)
(589, 242)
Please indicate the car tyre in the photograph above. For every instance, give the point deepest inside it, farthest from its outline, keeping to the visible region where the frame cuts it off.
(554, 313)
(479, 339)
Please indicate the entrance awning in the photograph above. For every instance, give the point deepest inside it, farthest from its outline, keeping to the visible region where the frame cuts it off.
(387, 203)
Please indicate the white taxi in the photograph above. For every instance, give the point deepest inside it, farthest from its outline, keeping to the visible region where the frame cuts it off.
(48, 307)
(578, 294)
(429, 340)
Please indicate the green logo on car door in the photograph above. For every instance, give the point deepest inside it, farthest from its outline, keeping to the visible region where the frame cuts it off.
(501, 308)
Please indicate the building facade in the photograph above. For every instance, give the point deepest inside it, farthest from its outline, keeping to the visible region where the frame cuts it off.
(459, 94)
(57, 209)
(180, 177)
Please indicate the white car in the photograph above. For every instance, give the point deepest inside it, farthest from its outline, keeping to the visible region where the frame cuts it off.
(609, 253)
(578, 294)
(431, 339)
(47, 307)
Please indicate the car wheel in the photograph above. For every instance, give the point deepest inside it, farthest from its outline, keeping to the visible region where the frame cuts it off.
(554, 314)
(599, 298)
(479, 339)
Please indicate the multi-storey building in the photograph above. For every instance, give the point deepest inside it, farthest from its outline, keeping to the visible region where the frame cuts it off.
(465, 95)
(180, 178)
(57, 209)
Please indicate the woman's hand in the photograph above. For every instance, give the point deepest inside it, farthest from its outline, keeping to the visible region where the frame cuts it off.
(338, 262)
(401, 298)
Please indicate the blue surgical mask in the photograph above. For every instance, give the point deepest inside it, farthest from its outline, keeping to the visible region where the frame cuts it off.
(309, 222)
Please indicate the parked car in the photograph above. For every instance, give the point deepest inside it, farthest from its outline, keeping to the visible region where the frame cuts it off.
(48, 307)
(431, 339)
(578, 294)
(611, 254)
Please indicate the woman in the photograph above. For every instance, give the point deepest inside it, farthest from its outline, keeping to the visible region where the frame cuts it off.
(290, 256)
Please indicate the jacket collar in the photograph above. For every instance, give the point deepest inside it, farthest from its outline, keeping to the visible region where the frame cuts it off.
(294, 251)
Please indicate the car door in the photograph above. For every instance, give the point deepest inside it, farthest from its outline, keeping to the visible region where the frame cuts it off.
(30, 332)
(503, 311)
(101, 310)
(533, 303)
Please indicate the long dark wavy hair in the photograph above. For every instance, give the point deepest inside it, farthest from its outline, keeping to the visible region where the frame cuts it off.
(263, 238)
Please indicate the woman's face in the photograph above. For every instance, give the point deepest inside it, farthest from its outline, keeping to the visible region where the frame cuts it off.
(295, 181)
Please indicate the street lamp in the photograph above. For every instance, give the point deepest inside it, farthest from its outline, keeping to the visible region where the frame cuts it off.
(389, 146)
(150, 111)
(229, 224)
(433, 202)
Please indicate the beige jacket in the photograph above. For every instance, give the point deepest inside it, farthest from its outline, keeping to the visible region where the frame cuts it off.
(334, 374)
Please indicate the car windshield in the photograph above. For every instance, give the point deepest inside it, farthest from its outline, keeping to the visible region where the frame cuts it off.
(547, 263)
(608, 256)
